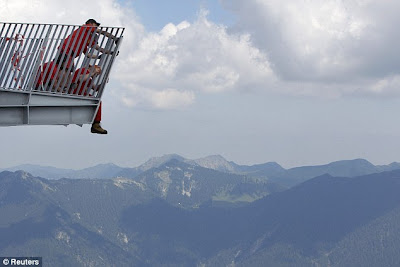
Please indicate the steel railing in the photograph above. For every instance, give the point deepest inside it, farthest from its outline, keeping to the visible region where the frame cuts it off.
(49, 58)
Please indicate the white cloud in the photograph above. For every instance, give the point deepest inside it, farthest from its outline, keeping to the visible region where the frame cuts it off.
(387, 86)
(340, 46)
(188, 59)
(172, 99)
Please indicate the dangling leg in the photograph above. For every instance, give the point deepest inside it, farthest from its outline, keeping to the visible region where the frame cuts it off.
(96, 128)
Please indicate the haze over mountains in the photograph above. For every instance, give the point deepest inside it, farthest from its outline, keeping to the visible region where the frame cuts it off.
(270, 170)
(172, 211)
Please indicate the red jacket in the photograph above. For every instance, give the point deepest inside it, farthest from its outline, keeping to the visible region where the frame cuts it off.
(79, 41)
(80, 84)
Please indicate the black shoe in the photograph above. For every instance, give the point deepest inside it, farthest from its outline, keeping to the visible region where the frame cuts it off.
(96, 128)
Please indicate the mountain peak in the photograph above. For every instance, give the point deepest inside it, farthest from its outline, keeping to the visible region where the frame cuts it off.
(19, 174)
(358, 161)
(23, 174)
(216, 162)
(158, 161)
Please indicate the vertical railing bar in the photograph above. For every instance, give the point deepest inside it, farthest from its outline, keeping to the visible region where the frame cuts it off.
(91, 51)
(52, 52)
(38, 46)
(74, 54)
(50, 48)
(94, 80)
(2, 45)
(66, 51)
(26, 55)
(108, 47)
(84, 54)
(16, 60)
(34, 56)
(5, 55)
(81, 59)
(26, 52)
(10, 58)
(60, 46)
(67, 83)
(40, 72)
(49, 53)
(85, 65)
(15, 47)
(53, 43)
(58, 60)
(7, 51)
(109, 63)
(55, 68)
(105, 40)
(3, 39)
(2, 28)
(46, 30)
(103, 59)
(19, 59)
(46, 70)
(62, 54)
(105, 77)
(49, 70)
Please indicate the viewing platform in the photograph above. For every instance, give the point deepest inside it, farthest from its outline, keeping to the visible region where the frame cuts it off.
(53, 74)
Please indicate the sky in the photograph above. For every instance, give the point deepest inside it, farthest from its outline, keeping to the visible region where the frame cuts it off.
(300, 82)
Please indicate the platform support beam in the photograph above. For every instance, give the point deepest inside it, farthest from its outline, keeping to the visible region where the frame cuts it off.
(23, 108)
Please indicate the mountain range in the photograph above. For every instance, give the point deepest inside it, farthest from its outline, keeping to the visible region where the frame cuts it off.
(208, 212)
(271, 171)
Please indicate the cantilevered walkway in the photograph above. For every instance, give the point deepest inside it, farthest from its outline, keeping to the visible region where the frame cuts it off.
(27, 98)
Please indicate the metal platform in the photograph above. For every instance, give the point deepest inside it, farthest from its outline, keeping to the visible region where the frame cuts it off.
(28, 94)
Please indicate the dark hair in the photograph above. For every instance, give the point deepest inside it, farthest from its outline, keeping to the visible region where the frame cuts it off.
(92, 21)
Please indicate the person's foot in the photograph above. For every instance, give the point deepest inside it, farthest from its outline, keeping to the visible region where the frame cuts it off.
(96, 128)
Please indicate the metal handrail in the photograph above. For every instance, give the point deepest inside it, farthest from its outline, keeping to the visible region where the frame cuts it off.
(26, 50)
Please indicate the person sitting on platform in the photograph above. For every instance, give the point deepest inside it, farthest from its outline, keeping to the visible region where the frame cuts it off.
(51, 77)
(82, 84)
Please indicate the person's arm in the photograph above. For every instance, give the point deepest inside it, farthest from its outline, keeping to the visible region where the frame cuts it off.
(102, 50)
(90, 73)
(105, 33)
(92, 56)
(109, 35)
(83, 77)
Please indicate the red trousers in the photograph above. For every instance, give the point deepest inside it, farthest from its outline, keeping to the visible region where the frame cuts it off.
(98, 115)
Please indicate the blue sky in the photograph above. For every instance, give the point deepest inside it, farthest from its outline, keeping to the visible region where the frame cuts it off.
(295, 82)
(155, 14)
